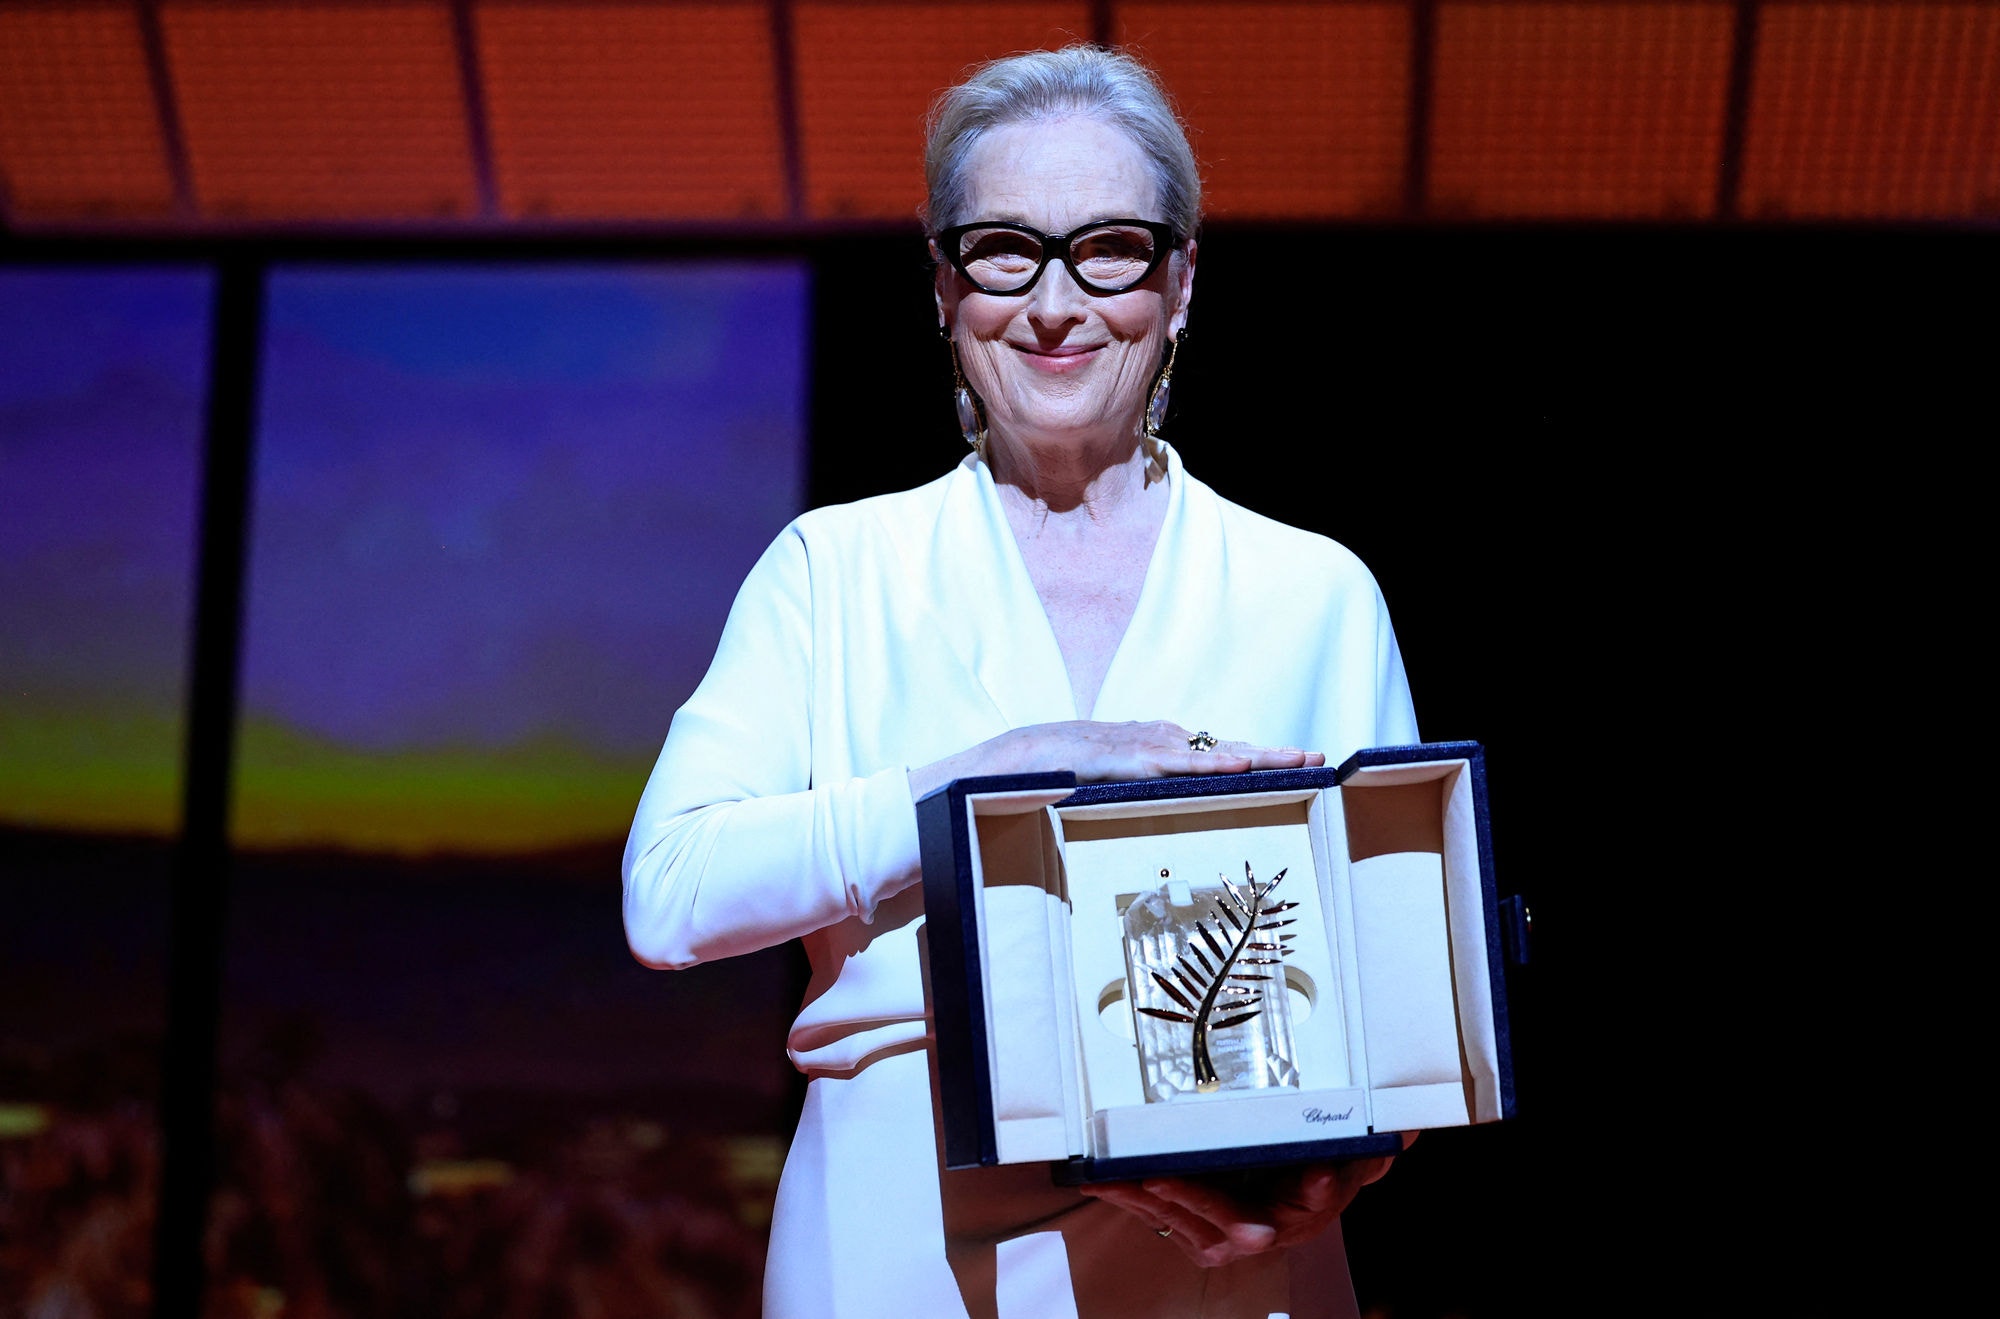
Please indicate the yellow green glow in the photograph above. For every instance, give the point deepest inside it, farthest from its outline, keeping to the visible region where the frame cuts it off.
(98, 770)
(293, 790)
(18, 1121)
(92, 771)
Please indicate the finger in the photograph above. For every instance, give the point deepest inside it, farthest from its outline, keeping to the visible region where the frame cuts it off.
(1324, 1194)
(1276, 757)
(1193, 1235)
(1163, 764)
(1299, 1204)
(1125, 1195)
(1206, 762)
(1202, 1241)
(1219, 757)
(1311, 1191)
(1321, 1193)
(1133, 1200)
(1247, 1231)
(1142, 750)
(1158, 749)
(1209, 1201)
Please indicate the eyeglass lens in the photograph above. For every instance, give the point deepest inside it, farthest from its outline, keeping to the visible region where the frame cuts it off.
(1111, 258)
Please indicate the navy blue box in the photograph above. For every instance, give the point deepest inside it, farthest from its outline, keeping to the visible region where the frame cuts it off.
(1397, 998)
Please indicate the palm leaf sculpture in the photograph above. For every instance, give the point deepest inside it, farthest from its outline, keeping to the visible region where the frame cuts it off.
(1241, 938)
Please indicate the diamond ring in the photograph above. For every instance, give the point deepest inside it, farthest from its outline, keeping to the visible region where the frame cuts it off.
(1202, 741)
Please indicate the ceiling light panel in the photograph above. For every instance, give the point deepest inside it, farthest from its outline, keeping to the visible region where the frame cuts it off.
(867, 71)
(620, 111)
(80, 135)
(336, 112)
(1298, 111)
(1579, 108)
(1874, 111)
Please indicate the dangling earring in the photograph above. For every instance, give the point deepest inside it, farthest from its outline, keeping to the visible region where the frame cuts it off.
(971, 424)
(1156, 403)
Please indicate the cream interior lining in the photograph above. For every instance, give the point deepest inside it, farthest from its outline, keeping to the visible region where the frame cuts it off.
(1385, 866)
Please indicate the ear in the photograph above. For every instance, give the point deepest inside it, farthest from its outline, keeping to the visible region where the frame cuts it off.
(1181, 280)
(940, 286)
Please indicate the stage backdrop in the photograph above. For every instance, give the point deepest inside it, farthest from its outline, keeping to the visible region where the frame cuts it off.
(498, 517)
(101, 384)
(1655, 512)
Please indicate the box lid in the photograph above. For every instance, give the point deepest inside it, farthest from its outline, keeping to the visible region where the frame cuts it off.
(956, 976)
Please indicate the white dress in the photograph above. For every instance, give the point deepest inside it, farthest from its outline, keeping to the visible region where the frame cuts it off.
(886, 634)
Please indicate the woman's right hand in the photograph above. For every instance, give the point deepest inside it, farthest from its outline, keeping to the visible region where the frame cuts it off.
(1095, 751)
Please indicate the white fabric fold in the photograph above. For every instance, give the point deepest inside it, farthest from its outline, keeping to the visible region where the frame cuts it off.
(890, 633)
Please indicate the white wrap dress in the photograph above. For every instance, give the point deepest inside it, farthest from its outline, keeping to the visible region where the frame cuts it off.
(886, 634)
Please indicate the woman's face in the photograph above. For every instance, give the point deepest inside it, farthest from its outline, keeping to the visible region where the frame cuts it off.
(1059, 364)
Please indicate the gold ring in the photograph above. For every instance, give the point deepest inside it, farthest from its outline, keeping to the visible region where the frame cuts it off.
(1164, 1231)
(1202, 741)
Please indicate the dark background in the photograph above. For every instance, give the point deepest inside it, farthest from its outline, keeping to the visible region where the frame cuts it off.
(1668, 520)
(1684, 522)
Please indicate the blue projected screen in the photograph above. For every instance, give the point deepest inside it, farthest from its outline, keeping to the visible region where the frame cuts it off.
(500, 516)
(102, 376)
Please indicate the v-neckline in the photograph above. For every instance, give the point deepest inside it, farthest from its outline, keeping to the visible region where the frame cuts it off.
(1023, 582)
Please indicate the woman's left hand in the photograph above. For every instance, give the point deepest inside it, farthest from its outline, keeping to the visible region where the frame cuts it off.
(1212, 1226)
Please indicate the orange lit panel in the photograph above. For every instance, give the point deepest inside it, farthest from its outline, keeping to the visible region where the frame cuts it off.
(624, 111)
(1581, 109)
(1296, 110)
(1874, 111)
(79, 132)
(867, 70)
(336, 111)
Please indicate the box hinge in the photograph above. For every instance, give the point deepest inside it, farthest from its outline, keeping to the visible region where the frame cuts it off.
(1516, 924)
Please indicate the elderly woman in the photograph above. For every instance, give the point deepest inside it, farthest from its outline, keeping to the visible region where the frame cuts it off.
(1067, 597)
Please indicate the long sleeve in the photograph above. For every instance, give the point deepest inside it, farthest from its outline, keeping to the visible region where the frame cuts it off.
(1395, 712)
(734, 847)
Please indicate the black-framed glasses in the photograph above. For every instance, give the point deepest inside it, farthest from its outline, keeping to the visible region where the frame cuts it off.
(1104, 256)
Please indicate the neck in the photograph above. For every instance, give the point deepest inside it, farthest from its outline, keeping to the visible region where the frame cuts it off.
(1096, 480)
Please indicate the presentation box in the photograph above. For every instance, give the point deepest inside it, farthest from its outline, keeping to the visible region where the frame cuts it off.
(1186, 975)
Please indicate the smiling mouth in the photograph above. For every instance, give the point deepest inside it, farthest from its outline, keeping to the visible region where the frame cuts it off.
(1058, 359)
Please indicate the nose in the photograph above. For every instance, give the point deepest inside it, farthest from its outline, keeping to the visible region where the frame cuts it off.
(1057, 299)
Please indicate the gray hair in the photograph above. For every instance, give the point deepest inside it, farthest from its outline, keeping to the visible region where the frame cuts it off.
(1101, 84)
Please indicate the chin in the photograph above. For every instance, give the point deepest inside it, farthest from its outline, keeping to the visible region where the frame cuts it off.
(1052, 413)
